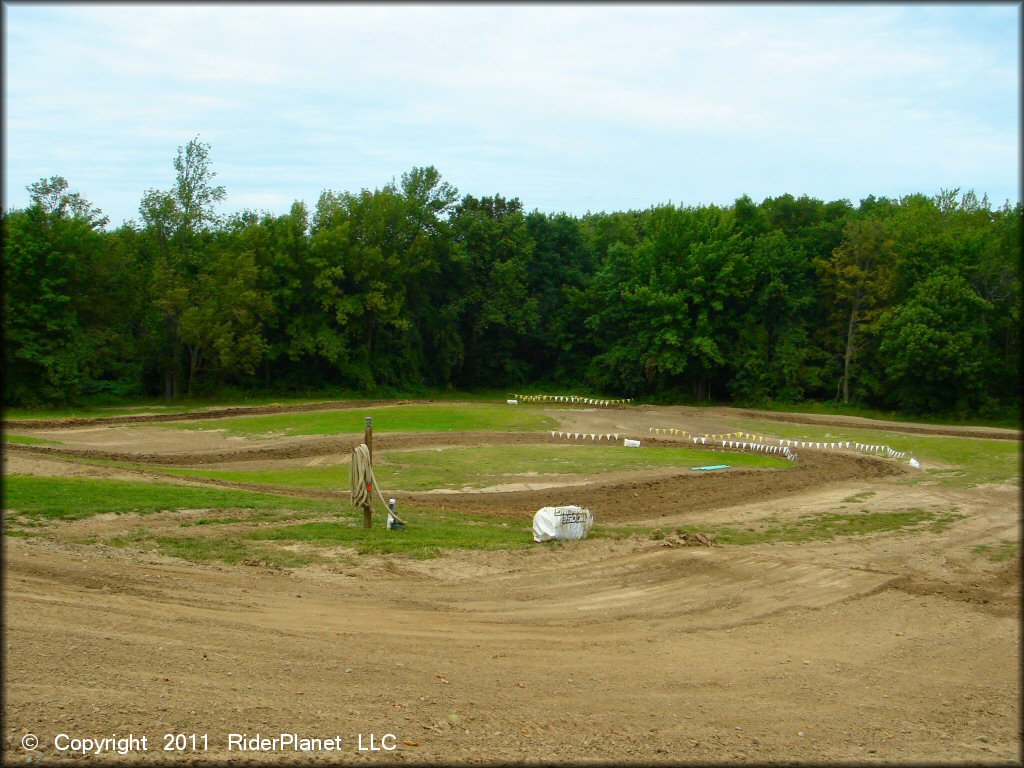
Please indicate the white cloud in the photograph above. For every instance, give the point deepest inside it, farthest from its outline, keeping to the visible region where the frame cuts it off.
(322, 95)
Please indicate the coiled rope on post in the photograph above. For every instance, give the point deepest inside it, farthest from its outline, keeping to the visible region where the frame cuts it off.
(361, 477)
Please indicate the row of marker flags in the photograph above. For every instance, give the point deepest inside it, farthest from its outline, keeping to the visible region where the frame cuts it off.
(586, 435)
(752, 445)
(847, 445)
(750, 442)
(697, 440)
(727, 442)
(726, 436)
(569, 399)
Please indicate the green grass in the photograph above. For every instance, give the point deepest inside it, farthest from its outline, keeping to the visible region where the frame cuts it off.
(828, 525)
(229, 550)
(838, 409)
(52, 498)
(211, 549)
(13, 415)
(429, 533)
(396, 418)
(975, 460)
(22, 533)
(433, 532)
(491, 465)
(482, 466)
(858, 497)
(26, 440)
(104, 406)
(333, 479)
(274, 533)
(253, 517)
(1004, 550)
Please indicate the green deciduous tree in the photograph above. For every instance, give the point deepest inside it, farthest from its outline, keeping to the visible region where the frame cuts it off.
(911, 303)
(221, 328)
(178, 227)
(53, 251)
(498, 316)
(557, 273)
(857, 282)
(933, 347)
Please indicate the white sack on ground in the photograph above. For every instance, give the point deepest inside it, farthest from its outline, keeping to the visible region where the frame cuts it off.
(562, 523)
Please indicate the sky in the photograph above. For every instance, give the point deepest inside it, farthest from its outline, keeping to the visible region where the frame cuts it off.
(570, 107)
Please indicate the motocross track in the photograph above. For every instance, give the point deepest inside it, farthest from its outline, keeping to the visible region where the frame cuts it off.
(893, 647)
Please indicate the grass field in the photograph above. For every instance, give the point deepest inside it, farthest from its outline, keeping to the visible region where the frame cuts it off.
(973, 461)
(242, 526)
(26, 440)
(839, 409)
(99, 406)
(397, 418)
(287, 530)
(483, 466)
(72, 498)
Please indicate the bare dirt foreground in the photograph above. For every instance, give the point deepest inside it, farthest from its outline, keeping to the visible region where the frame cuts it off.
(900, 647)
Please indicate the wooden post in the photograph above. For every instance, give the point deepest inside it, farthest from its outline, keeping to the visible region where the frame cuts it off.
(368, 439)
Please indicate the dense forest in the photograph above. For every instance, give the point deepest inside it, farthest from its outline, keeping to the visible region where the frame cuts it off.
(910, 304)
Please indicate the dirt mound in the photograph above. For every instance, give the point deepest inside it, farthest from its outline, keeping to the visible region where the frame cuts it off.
(689, 493)
(997, 593)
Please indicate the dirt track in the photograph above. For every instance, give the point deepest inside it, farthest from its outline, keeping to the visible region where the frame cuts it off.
(891, 647)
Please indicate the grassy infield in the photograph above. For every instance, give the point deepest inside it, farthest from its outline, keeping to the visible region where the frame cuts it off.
(241, 525)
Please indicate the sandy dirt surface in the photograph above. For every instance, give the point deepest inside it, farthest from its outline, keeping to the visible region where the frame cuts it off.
(900, 647)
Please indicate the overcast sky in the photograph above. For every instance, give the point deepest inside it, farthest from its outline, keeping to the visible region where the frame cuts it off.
(573, 107)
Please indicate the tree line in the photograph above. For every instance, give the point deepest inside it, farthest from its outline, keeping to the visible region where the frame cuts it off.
(909, 303)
